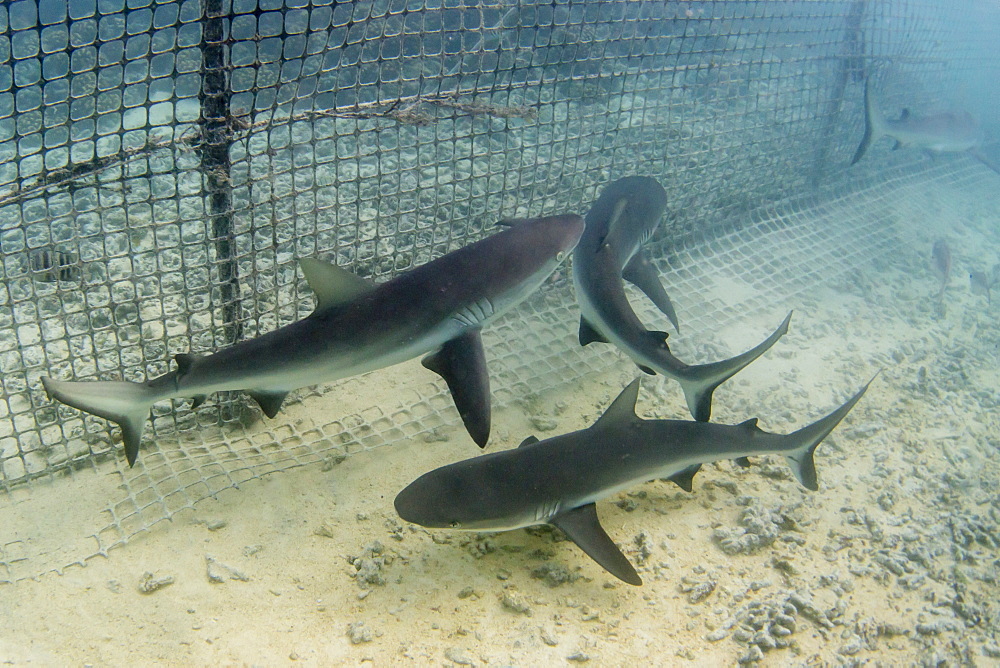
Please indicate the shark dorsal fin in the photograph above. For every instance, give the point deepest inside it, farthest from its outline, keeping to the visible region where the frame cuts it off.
(584, 528)
(904, 114)
(184, 363)
(614, 220)
(531, 440)
(332, 284)
(622, 409)
(750, 424)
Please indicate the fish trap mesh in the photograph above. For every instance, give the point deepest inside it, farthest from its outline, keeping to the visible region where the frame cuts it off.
(164, 164)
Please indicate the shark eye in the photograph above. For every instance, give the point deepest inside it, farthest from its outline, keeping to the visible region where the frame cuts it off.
(456, 524)
(560, 256)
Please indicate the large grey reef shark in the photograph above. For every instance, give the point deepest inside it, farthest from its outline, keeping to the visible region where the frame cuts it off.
(949, 132)
(358, 326)
(620, 221)
(557, 481)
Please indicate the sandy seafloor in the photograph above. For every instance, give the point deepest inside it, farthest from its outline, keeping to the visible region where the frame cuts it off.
(892, 562)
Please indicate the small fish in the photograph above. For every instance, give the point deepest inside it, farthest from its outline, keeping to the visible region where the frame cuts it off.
(50, 265)
(982, 282)
(941, 258)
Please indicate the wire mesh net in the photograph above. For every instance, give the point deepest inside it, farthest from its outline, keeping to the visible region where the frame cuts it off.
(164, 164)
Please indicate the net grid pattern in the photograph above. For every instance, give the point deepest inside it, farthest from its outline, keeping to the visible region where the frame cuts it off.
(163, 164)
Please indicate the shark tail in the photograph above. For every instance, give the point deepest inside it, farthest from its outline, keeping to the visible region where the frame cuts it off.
(124, 403)
(810, 436)
(699, 381)
(873, 123)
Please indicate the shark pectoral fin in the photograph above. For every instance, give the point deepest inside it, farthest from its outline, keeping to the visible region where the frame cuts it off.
(332, 284)
(584, 528)
(462, 363)
(685, 478)
(531, 440)
(269, 402)
(622, 409)
(646, 370)
(742, 462)
(197, 400)
(588, 334)
(641, 273)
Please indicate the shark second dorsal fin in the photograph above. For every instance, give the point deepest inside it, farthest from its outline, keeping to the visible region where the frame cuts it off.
(589, 335)
(531, 440)
(622, 409)
(269, 402)
(584, 528)
(462, 363)
(332, 284)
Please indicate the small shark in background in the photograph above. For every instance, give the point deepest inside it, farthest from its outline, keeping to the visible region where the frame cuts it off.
(557, 481)
(621, 218)
(950, 132)
(941, 260)
(982, 283)
(358, 326)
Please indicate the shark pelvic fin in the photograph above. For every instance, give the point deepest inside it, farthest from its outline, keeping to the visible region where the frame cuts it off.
(641, 273)
(332, 284)
(462, 363)
(531, 440)
(584, 528)
(622, 409)
(269, 402)
(589, 335)
(685, 478)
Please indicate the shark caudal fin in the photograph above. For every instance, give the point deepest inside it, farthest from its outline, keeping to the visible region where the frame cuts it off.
(873, 123)
(124, 403)
(700, 380)
(810, 436)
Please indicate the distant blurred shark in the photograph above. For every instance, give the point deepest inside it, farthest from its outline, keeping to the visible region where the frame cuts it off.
(557, 481)
(950, 132)
(626, 212)
(358, 326)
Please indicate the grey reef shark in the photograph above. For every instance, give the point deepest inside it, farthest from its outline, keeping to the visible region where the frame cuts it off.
(558, 480)
(620, 221)
(949, 132)
(436, 309)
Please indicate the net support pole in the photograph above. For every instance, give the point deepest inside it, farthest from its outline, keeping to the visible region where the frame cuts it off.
(216, 140)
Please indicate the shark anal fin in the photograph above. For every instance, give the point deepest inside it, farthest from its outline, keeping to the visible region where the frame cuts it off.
(269, 402)
(742, 462)
(685, 478)
(589, 335)
(641, 273)
(462, 363)
(531, 440)
(333, 285)
(584, 528)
